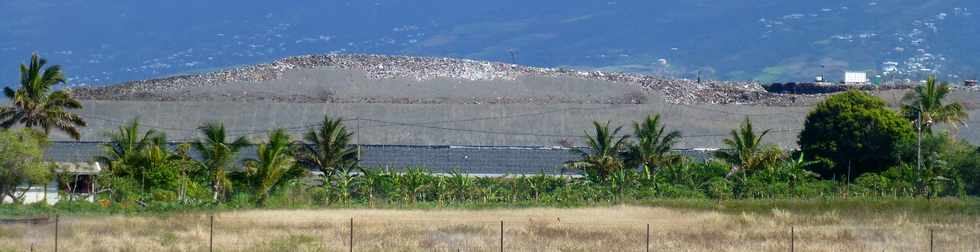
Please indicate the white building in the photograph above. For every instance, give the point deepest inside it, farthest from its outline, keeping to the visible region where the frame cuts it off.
(77, 181)
(855, 78)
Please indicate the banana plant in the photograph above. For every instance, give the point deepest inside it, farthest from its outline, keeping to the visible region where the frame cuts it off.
(414, 182)
(537, 184)
(370, 183)
(459, 185)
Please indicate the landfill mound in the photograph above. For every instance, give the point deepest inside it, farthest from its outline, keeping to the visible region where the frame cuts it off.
(425, 69)
(401, 100)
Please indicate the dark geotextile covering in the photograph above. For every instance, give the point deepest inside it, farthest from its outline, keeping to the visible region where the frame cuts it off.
(440, 159)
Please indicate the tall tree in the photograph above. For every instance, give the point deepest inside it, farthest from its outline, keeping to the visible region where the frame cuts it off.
(852, 133)
(927, 100)
(745, 150)
(328, 149)
(272, 164)
(217, 155)
(36, 105)
(653, 145)
(605, 153)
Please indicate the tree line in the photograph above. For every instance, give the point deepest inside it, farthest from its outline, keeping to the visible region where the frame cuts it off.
(852, 145)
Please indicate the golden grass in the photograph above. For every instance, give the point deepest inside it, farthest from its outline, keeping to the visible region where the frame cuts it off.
(588, 229)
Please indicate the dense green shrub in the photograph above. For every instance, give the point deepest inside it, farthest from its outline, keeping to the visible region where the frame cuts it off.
(874, 184)
(21, 163)
(965, 161)
(945, 162)
(857, 133)
(719, 188)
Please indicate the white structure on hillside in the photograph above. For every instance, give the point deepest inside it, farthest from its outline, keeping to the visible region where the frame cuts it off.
(76, 180)
(855, 78)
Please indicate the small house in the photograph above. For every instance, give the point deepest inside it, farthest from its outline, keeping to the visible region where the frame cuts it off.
(73, 180)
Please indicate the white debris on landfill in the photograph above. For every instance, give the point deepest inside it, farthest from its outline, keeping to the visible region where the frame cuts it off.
(676, 91)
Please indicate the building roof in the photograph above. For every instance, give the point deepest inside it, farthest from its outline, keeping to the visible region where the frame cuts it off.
(78, 168)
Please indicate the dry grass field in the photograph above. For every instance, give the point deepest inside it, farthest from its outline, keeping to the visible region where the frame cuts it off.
(587, 229)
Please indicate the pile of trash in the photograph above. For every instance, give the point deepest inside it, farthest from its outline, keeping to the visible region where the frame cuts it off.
(677, 91)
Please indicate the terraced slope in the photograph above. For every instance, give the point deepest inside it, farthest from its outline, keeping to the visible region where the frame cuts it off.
(438, 101)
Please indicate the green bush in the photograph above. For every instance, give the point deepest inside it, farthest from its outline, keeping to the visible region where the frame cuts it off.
(874, 184)
(815, 189)
(719, 188)
(163, 195)
(21, 162)
(857, 133)
(320, 196)
(679, 191)
(953, 166)
(240, 200)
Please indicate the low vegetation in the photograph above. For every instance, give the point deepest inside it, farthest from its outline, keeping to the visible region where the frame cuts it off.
(618, 228)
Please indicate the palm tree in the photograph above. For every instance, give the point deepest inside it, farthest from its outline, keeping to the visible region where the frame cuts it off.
(328, 149)
(217, 156)
(653, 146)
(745, 150)
(35, 105)
(605, 152)
(126, 145)
(273, 162)
(927, 100)
(129, 153)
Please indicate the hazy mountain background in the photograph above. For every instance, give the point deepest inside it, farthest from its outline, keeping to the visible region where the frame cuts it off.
(103, 42)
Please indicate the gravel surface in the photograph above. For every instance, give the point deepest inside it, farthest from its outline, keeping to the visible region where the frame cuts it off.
(421, 69)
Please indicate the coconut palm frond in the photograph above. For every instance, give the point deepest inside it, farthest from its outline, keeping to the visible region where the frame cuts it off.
(927, 101)
(653, 144)
(217, 155)
(274, 160)
(605, 152)
(746, 151)
(35, 105)
(328, 148)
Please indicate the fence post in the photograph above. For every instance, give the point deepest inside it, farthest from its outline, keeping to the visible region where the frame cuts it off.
(930, 240)
(57, 220)
(211, 234)
(792, 239)
(501, 236)
(648, 237)
(351, 234)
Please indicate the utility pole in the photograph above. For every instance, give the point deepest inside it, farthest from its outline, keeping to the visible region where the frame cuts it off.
(513, 56)
(918, 147)
(357, 138)
(847, 189)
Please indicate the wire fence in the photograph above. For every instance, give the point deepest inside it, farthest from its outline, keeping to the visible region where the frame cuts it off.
(307, 233)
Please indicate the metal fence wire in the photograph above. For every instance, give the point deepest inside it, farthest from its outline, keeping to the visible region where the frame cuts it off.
(227, 232)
